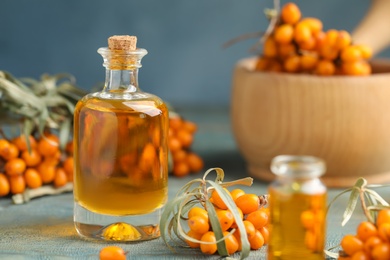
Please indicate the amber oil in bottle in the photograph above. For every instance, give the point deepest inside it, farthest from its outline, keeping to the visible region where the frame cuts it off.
(297, 209)
(121, 154)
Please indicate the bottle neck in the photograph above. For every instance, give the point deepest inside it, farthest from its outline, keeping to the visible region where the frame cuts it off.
(121, 80)
(121, 69)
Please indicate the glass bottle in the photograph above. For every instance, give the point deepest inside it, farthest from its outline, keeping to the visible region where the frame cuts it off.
(297, 208)
(121, 153)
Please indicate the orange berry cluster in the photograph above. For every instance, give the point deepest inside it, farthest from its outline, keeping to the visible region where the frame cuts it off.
(372, 241)
(299, 45)
(180, 139)
(255, 219)
(44, 163)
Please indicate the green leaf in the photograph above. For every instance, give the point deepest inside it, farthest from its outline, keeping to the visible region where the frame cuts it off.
(227, 199)
(64, 133)
(216, 226)
(353, 198)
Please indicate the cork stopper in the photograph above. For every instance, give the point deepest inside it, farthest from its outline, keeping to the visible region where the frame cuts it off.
(122, 42)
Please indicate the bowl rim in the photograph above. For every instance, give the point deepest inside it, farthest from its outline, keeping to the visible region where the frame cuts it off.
(381, 67)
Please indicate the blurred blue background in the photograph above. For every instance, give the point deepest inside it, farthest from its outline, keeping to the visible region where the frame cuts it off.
(186, 63)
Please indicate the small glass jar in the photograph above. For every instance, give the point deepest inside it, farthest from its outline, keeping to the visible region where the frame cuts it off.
(297, 208)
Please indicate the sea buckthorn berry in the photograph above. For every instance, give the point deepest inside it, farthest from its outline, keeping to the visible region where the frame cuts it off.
(381, 252)
(225, 218)
(356, 68)
(309, 61)
(365, 230)
(216, 199)
(193, 235)
(175, 123)
(284, 33)
(12, 152)
(185, 138)
(383, 217)
(15, 166)
(262, 64)
(47, 171)
(248, 203)
(320, 40)
(302, 33)
(174, 144)
(48, 145)
(199, 224)
(286, 50)
(208, 248)
(249, 228)
(360, 255)
(68, 167)
(191, 127)
(275, 66)
(195, 162)
(370, 243)
(292, 64)
(308, 45)
(230, 242)
(17, 184)
(21, 142)
(197, 211)
(32, 158)
(60, 178)
(343, 39)
(180, 169)
(325, 68)
(265, 233)
(179, 156)
(259, 218)
(112, 253)
(331, 37)
(236, 193)
(351, 244)
(384, 232)
(328, 52)
(314, 24)
(351, 53)
(270, 49)
(4, 146)
(4, 185)
(33, 180)
(365, 51)
(257, 241)
(290, 13)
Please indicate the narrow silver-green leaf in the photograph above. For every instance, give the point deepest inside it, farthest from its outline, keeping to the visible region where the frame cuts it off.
(216, 226)
(227, 199)
(353, 198)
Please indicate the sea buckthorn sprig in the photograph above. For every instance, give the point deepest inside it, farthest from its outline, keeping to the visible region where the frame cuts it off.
(180, 139)
(206, 215)
(299, 45)
(372, 238)
(29, 163)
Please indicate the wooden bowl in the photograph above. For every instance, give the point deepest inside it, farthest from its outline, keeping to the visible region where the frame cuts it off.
(344, 120)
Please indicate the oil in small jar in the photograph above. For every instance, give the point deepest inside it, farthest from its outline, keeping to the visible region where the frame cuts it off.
(297, 208)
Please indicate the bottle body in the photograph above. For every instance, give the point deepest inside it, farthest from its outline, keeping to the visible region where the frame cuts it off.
(122, 155)
(297, 214)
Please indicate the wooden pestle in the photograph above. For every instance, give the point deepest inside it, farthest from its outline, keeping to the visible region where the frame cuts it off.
(374, 29)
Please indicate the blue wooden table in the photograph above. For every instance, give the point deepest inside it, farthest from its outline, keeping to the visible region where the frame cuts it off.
(43, 228)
